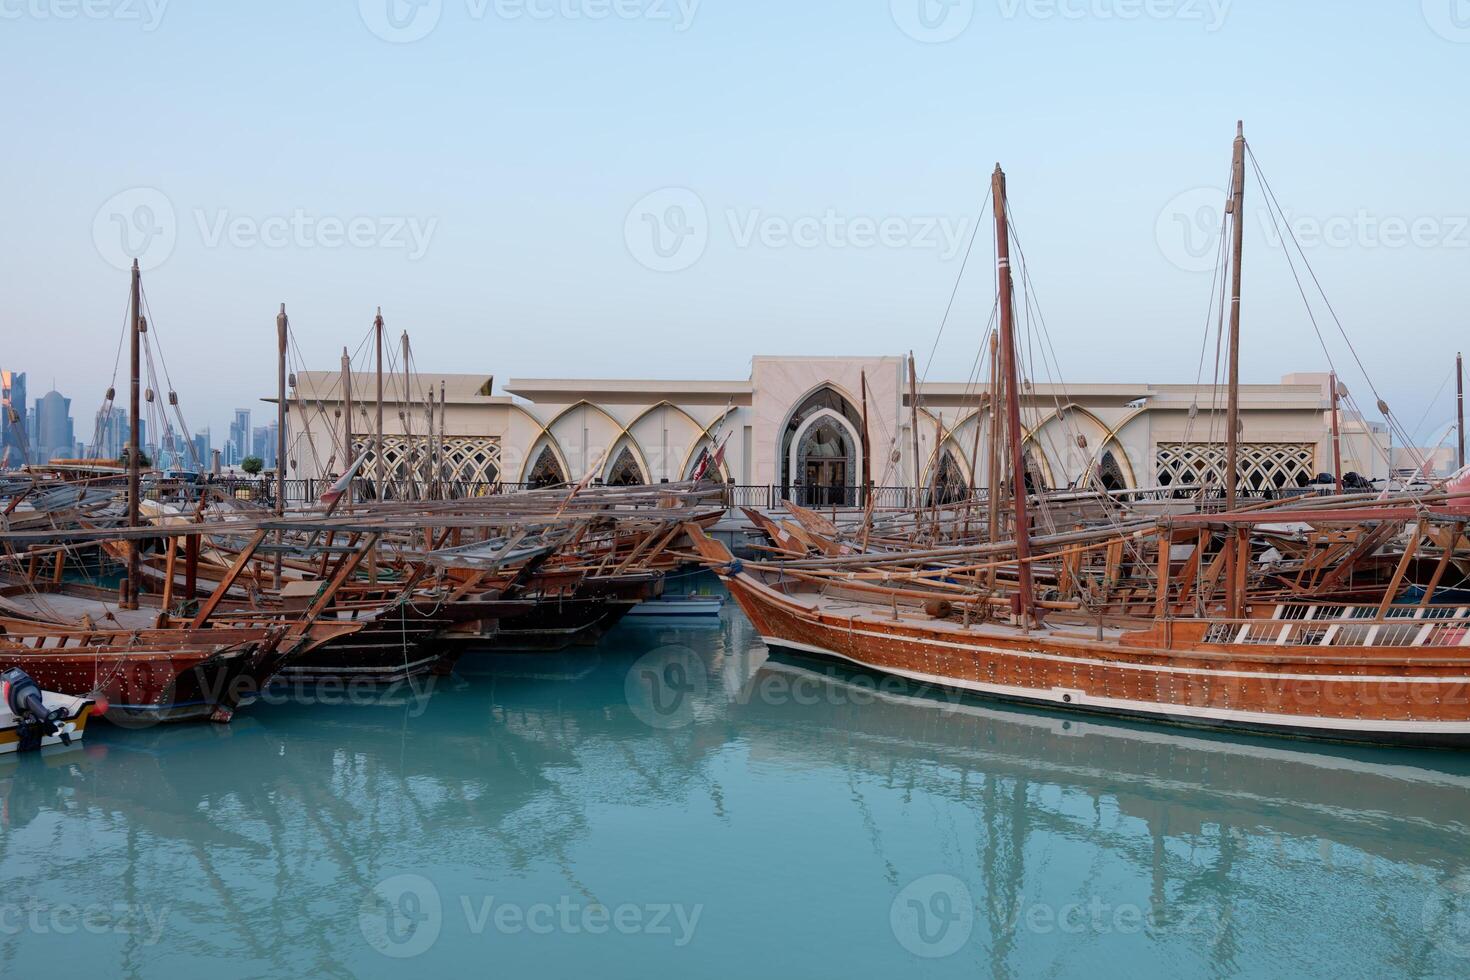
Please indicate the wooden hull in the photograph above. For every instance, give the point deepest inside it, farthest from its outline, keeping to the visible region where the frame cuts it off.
(149, 683)
(1368, 694)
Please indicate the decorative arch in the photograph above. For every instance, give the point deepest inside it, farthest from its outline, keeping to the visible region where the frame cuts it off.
(545, 465)
(824, 418)
(948, 485)
(703, 447)
(1109, 473)
(826, 454)
(626, 470)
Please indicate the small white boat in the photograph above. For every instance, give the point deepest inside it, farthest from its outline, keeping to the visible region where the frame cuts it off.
(680, 605)
(31, 718)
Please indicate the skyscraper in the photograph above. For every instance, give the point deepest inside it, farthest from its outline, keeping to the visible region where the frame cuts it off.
(263, 444)
(200, 459)
(240, 436)
(111, 434)
(54, 435)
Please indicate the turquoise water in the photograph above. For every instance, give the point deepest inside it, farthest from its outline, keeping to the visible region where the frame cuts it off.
(676, 802)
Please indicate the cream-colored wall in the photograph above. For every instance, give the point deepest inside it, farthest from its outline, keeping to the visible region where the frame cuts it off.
(666, 423)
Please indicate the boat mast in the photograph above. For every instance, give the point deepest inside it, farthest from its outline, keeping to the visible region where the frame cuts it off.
(867, 466)
(1336, 437)
(1237, 229)
(1460, 403)
(992, 476)
(1013, 395)
(135, 451)
(378, 435)
(281, 324)
(914, 427)
(406, 421)
(348, 455)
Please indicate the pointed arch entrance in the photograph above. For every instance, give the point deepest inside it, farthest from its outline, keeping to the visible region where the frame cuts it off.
(822, 451)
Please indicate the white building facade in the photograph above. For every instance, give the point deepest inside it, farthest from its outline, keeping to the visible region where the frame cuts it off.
(795, 427)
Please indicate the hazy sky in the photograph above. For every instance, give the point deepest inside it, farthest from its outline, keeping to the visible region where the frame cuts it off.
(663, 188)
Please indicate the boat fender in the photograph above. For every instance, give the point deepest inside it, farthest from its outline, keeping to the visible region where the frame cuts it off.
(731, 568)
(22, 696)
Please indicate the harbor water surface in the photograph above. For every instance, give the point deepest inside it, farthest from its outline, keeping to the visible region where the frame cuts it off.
(681, 801)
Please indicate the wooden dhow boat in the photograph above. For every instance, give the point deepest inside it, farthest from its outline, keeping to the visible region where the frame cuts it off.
(1198, 647)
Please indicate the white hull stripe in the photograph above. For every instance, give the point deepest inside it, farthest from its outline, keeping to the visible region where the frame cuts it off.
(1079, 699)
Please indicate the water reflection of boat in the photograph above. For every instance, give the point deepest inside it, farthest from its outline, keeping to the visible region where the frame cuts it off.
(1177, 784)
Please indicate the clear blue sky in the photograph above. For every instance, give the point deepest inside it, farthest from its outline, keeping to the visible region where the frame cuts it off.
(516, 135)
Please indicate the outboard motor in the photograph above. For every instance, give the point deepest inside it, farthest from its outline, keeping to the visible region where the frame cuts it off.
(23, 697)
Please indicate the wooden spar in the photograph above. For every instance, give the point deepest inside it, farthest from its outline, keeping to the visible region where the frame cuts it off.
(135, 450)
(993, 475)
(1390, 593)
(974, 465)
(406, 420)
(867, 443)
(867, 467)
(428, 438)
(1336, 437)
(1443, 566)
(438, 444)
(378, 432)
(914, 427)
(1237, 232)
(1232, 413)
(1013, 393)
(228, 582)
(191, 567)
(281, 326)
(1460, 404)
(345, 568)
(348, 455)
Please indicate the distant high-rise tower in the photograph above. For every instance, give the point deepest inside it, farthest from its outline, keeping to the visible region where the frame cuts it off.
(54, 435)
(240, 436)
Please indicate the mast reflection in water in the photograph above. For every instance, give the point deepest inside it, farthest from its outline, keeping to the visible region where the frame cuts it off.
(676, 801)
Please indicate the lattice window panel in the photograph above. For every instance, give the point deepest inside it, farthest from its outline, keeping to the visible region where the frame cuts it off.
(626, 472)
(1261, 464)
(466, 459)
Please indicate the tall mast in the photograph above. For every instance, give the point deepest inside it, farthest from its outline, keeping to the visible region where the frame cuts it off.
(280, 433)
(1237, 230)
(378, 435)
(1336, 437)
(349, 456)
(914, 426)
(406, 421)
(992, 475)
(1460, 403)
(867, 448)
(135, 451)
(1013, 393)
(443, 424)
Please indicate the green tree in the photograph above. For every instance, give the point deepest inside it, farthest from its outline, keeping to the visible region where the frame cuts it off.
(252, 465)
